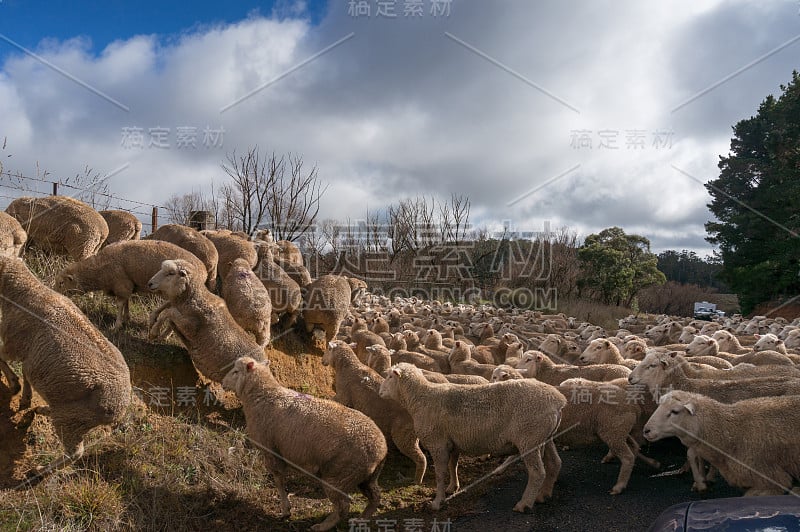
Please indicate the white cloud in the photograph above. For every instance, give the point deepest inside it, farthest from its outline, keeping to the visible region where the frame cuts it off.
(400, 109)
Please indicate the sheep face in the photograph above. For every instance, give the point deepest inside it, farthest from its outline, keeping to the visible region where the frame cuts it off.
(66, 283)
(634, 349)
(768, 342)
(390, 387)
(172, 279)
(702, 345)
(652, 370)
(675, 416)
(687, 335)
(595, 351)
(235, 378)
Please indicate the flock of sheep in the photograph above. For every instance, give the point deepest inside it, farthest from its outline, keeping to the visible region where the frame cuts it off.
(450, 379)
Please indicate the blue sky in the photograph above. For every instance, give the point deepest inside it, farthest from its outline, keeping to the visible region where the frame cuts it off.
(28, 22)
(511, 103)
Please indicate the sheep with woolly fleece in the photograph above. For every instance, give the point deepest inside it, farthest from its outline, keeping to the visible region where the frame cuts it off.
(358, 288)
(461, 361)
(793, 339)
(452, 419)
(600, 411)
(82, 376)
(769, 342)
(739, 371)
(201, 247)
(120, 270)
(357, 387)
(122, 225)
(763, 463)
(363, 338)
(602, 351)
(297, 272)
(12, 236)
(704, 345)
(380, 358)
(284, 292)
(326, 302)
(339, 446)
(687, 335)
(661, 372)
(200, 319)
(248, 300)
(665, 333)
(539, 366)
(454, 378)
(505, 372)
(61, 224)
(559, 348)
(635, 349)
(229, 248)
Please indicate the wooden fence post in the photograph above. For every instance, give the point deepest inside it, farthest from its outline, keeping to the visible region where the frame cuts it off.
(154, 219)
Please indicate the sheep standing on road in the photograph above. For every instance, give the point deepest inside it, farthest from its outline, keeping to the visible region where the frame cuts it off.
(77, 371)
(357, 387)
(451, 419)
(764, 462)
(200, 319)
(340, 447)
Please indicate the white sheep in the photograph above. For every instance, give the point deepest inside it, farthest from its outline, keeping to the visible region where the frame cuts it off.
(764, 462)
(200, 319)
(539, 366)
(662, 372)
(12, 236)
(357, 387)
(248, 300)
(122, 225)
(81, 376)
(121, 270)
(452, 419)
(340, 447)
(325, 304)
(602, 351)
(61, 224)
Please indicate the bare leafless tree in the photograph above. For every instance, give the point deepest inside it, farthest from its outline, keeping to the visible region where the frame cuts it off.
(179, 207)
(293, 198)
(245, 199)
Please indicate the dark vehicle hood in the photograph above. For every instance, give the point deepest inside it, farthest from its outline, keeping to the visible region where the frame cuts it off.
(734, 514)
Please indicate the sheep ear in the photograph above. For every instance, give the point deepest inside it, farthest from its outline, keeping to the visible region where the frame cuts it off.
(539, 357)
(265, 363)
(397, 372)
(70, 277)
(689, 408)
(607, 343)
(757, 336)
(458, 343)
(331, 345)
(673, 354)
(392, 351)
(353, 345)
(710, 341)
(250, 366)
(182, 272)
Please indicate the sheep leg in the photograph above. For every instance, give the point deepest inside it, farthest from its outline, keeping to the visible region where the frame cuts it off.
(405, 439)
(151, 320)
(123, 313)
(626, 457)
(372, 491)
(696, 464)
(155, 332)
(452, 468)
(11, 377)
(27, 394)
(536, 475)
(341, 507)
(277, 467)
(441, 457)
(552, 466)
(634, 445)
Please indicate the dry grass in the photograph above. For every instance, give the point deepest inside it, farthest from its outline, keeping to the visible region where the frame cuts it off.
(606, 316)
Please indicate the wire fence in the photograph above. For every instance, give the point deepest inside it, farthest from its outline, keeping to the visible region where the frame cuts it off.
(23, 185)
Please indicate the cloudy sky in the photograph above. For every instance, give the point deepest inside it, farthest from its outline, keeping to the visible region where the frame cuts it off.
(578, 114)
